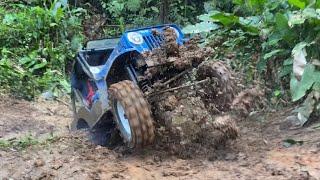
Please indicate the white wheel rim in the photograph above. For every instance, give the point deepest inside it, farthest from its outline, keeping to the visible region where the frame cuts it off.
(124, 124)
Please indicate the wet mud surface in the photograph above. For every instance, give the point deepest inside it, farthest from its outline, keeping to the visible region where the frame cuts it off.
(258, 152)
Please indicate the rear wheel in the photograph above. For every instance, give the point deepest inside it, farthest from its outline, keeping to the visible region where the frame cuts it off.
(132, 114)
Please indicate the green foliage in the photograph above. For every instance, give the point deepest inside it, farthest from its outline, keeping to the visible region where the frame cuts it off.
(284, 30)
(298, 3)
(135, 13)
(26, 142)
(294, 26)
(300, 88)
(19, 144)
(226, 19)
(36, 45)
(204, 26)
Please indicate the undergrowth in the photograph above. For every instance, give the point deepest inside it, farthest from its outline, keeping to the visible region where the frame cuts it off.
(274, 41)
(26, 142)
(37, 46)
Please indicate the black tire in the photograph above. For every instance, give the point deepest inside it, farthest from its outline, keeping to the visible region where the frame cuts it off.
(136, 110)
(73, 103)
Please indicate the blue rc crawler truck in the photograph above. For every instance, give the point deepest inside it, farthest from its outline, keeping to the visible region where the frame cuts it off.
(108, 80)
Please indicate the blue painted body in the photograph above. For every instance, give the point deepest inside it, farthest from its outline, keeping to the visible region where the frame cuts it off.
(92, 111)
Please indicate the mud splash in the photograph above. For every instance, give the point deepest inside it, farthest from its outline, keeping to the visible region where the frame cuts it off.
(191, 103)
(174, 56)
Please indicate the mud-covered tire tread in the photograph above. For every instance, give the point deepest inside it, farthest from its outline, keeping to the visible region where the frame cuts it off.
(137, 111)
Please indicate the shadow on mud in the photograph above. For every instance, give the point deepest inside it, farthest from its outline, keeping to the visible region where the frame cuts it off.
(105, 134)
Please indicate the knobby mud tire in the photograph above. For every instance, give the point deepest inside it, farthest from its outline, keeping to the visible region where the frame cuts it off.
(136, 110)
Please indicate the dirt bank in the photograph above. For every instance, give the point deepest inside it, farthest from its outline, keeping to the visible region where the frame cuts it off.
(259, 152)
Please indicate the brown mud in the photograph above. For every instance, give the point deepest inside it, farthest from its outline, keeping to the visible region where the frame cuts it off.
(192, 100)
(259, 152)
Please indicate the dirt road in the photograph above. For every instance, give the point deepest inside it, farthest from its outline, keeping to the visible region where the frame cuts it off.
(259, 152)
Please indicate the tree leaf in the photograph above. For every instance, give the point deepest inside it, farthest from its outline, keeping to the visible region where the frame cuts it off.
(272, 53)
(307, 108)
(281, 22)
(254, 21)
(290, 142)
(133, 5)
(296, 18)
(66, 85)
(300, 88)
(317, 4)
(297, 3)
(25, 60)
(207, 17)
(39, 66)
(155, 9)
(299, 59)
(8, 19)
(200, 28)
(225, 18)
(310, 13)
(285, 70)
(299, 47)
(238, 2)
(288, 61)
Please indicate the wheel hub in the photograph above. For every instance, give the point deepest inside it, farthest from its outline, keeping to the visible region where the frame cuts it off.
(124, 125)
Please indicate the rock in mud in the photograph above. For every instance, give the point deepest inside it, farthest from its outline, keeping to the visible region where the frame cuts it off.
(39, 163)
(290, 122)
(227, 126)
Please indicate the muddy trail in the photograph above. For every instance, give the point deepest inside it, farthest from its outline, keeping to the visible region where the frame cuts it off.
(258, 153)
(208, 125)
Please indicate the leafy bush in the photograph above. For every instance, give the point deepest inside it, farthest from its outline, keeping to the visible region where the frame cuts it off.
(135, 13)
(290, 42)
(36, 45)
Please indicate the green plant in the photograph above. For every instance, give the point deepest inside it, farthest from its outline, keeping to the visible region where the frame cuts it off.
(19, 144)
(26, 142)
(36, 45)
(288, 35)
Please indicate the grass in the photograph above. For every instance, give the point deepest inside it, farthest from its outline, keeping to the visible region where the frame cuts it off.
(25, 142)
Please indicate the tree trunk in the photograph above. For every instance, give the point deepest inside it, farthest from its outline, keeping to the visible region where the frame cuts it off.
(164, 11)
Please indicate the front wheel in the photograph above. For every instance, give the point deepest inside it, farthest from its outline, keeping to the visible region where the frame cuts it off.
(132, 114)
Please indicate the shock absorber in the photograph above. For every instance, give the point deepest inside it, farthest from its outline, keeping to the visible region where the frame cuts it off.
(144, 85)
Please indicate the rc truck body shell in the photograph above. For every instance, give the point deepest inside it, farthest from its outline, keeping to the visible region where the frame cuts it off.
(101, 63)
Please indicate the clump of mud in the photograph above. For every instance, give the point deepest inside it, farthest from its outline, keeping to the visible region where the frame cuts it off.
(186, 126)
(219, 95)
(174, 56)
(191, 105)
(249, 100)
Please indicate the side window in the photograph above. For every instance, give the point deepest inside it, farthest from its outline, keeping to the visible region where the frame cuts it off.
(97, 58)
